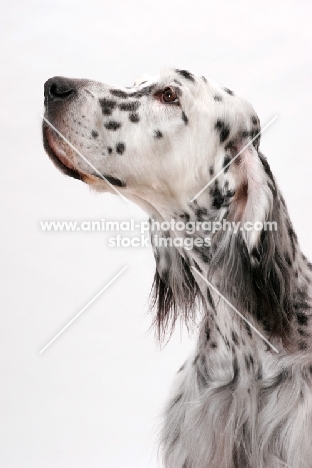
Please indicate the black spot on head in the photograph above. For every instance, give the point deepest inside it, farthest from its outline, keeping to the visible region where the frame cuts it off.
(217, 97)
(109, 149)
(178, 82)
(158, 134)
(119, 93)
(107, 105)
(227, 90)
(223, 129)
(94, 134)
(186, 74)
(112, 125)
(302, 319)
(129, 106)
(211, 171)
(143, 92)
(184, 118)
(134, 118)
(254, 120)
(107, 111)
(120, 148)
(213, 345)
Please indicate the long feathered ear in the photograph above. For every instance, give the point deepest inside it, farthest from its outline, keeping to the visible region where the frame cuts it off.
(254, 192)
(257, 260)
(175, 292)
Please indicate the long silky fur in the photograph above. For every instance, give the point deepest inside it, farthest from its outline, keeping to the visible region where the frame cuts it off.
(262, 280)
(175, 294)
(222, 413)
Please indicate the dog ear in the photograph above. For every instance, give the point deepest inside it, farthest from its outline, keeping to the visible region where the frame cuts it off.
(253, 201)
(258, 260)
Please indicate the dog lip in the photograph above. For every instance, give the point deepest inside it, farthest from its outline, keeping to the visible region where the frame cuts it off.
(114, 181)
(59, 160)
(59, 153)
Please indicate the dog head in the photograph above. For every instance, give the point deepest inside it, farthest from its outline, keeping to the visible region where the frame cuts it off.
(158, 142)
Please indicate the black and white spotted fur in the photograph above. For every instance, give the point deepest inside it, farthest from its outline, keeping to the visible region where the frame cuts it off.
(236, 402)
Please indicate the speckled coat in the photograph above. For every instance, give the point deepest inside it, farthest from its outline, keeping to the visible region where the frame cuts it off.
(187, 149)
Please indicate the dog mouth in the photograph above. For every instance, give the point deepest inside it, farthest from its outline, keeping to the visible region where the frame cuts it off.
(57, 154)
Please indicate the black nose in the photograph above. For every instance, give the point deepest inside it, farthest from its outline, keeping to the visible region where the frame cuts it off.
(58, 89)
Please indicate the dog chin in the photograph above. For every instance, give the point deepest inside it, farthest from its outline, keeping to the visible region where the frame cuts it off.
(58, 155)
(61, 161)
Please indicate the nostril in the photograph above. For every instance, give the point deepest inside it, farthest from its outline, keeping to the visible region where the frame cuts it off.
(60, 91)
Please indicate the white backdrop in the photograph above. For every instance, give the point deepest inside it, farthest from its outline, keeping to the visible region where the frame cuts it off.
(94, 397)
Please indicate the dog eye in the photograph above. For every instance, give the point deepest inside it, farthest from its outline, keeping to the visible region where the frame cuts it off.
(169, 95)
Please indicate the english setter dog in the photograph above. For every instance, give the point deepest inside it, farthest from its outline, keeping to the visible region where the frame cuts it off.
(244, 398)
